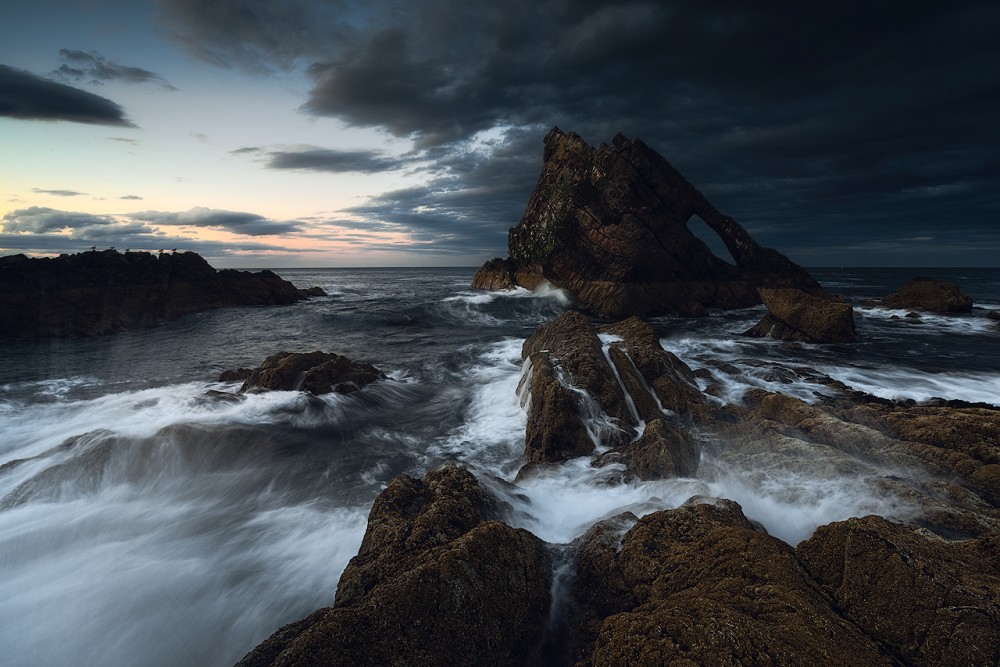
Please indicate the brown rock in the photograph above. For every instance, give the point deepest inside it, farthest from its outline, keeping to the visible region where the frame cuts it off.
(235, 375)
(569, 380)
(707, 588)
(496, 274)
(936, 296)
(795, 315)
(610, 226)
(437, 581)
(933, 602)
(585, 386)
(315, 372)
(664, 450)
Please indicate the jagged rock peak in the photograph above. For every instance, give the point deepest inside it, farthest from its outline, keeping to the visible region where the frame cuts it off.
(610, 225)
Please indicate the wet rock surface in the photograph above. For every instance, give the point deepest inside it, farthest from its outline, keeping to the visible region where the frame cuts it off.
(610, 225)
(587, 387)
(927, 294)
(97, 293)
(438, 580)
(315, 372)
(795, 315)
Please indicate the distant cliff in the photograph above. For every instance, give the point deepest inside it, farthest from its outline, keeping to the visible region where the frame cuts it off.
(610, 225)
(96, 293)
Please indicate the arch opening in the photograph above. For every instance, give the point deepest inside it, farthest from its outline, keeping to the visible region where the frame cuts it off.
(709, 237)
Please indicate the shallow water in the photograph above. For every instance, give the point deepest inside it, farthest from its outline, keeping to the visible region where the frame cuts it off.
(144, 521)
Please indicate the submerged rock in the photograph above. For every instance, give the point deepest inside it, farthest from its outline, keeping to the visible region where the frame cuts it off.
(315, 372)
(439, 580)
(610, 225)
(795, 315)
(96, 293)
(927, 294)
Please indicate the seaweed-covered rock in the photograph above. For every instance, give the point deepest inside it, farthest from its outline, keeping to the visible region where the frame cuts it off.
(928, 294)
(96, 293)
(315, 372)
(438, 580)
(610, 225)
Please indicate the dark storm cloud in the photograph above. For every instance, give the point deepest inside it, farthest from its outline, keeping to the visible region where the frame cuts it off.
(94, 68)
(46, 230)
(58, 193)
(333, 161)
(125, 237)
(234, 221)
(41, 220)
(808, 123)
(29, 97)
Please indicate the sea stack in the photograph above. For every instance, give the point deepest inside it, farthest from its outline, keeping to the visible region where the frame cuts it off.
(610, 226)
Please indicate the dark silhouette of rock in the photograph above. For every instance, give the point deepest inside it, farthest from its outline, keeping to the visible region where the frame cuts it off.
(933, 602)
(439, 580)
(927, 294)
(795, 315)
(315, 372)
(993, 315)
(701, 585)
(95, 293)
(609, 225)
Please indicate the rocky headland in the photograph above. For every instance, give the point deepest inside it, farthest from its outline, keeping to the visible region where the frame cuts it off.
(105, 292)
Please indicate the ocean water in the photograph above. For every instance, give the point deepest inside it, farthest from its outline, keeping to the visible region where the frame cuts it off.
(145, 521)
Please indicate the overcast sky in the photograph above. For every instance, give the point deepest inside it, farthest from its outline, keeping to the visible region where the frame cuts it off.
(345, 133)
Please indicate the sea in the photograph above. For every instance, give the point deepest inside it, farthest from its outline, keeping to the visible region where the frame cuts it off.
(149, 517)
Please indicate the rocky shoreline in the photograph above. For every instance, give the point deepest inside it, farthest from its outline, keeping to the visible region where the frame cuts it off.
(444, 578)
(104, 292)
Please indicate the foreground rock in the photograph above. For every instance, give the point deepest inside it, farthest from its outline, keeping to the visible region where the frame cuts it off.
(439, 580)
(795, 315)
(930, 601)
(701, 585)
(927, 294)
(96, 293)
(610, 225)
(314, 372)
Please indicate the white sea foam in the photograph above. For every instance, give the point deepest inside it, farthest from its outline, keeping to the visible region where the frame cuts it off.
(901, 383)
(929, 322)
(125, 574)
(565, 500)
(492, 434)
